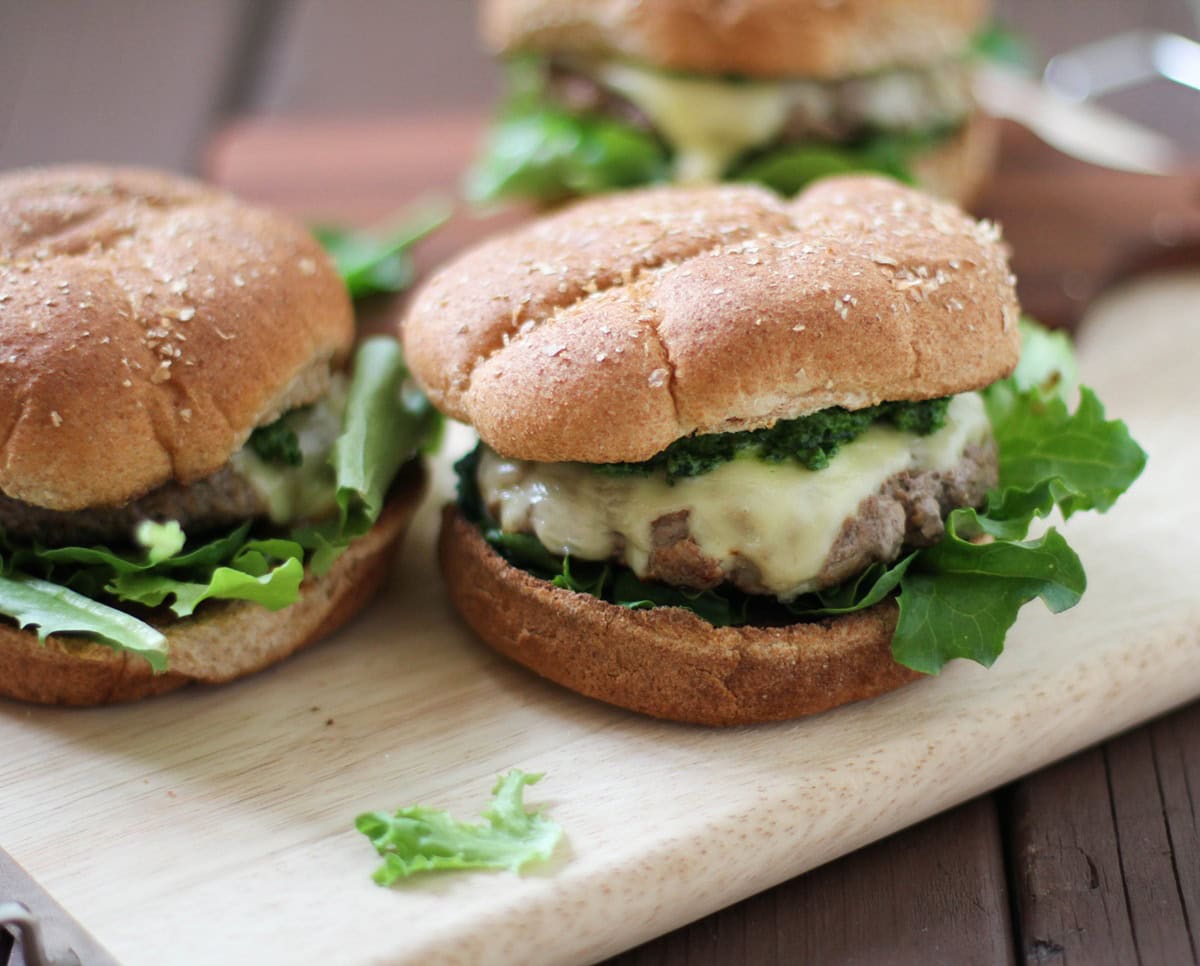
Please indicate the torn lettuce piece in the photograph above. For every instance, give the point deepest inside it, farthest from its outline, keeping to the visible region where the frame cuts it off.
(544, 152)
(421, 839)
(788, 168)
(54, 609)
(373, 263)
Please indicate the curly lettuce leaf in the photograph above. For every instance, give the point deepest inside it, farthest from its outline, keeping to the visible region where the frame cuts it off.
(274, 586)
(383, 427)
(372, 263)
(385, 424)
(1047, 361)
(544, 152)
(960, 598)
(421, 839)
(54, 609)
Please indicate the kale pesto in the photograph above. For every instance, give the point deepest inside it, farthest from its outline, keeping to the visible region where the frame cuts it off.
(810, 440)
(277, 443)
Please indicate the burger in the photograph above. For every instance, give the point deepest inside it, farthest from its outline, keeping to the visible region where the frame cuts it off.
(745, 459)
(610, 94)
(193, 485)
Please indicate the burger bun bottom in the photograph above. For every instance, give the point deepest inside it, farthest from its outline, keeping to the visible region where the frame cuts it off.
(666, 661)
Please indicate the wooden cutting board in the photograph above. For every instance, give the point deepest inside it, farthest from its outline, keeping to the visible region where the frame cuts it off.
(216, 825)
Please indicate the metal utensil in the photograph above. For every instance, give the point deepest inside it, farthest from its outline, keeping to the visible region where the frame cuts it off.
(1074, 126)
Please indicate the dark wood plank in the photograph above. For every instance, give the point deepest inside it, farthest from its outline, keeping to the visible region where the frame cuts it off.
(1104, 849)
(1176, 742)
(121, 81)
(935, 893)
(1148, 865)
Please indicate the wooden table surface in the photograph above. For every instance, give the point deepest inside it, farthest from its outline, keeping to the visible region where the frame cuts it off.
(1092, 860)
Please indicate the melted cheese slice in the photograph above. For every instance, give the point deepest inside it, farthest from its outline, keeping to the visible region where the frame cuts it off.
(310, 489)
(709, 123)
(782, 518)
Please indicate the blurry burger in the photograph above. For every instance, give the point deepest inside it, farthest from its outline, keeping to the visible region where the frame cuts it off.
(195, 483)
(610, 94)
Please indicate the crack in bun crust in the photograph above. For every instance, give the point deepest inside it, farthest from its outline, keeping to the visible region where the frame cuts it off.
(666, 662)
(756, 38)
(664, 312)
(224, 641)
(147, 324)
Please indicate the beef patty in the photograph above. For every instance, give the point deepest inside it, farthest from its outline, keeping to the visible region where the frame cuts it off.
(222, 500)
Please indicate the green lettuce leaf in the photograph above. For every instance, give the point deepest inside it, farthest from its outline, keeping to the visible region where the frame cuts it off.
(544, 152)
(371, 263)
(1047, 361)
(274, 588)
(383, 427)
(960, 598)
(420, 839)
(53, 609)
(1001, 43)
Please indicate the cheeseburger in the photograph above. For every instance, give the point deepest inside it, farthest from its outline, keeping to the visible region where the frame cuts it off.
(193, 485)
(609, 94)
(733, 403)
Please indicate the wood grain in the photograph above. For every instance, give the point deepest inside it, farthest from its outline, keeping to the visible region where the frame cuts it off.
(932, 893)
(1103, 850)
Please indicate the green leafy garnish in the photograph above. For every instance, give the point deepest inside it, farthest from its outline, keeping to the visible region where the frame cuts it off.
(787, 168)
(56, 588)
(1047, 361)
(1001, 43)
(54, 609)
(958, 598)
(420, 839)
(538, 149)
(812, 441)
(371, 263)
(544, 152)
(277, 443)
(384, 425)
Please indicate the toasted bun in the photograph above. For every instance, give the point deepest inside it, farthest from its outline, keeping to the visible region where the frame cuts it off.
(147, 324)
(959, 167)
(223, 641)
(666, 662)
(758, 38)
(607, 331)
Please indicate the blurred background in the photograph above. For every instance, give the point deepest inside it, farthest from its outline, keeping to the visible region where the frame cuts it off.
(150, 81)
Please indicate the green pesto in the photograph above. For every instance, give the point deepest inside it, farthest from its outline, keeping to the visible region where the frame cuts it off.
(277, 443)
(810, 440)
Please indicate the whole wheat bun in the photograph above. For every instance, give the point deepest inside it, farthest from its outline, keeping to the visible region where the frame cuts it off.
(666, 662)
(224, 640)
(147, 324)
(756, 38)
(607, 331)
